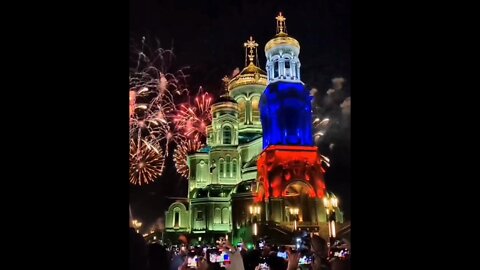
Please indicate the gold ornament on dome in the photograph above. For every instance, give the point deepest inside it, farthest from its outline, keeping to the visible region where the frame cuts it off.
(251, 45)
(247, 79)
(281, 38)
(226, 81)
(281, 26)
(251, 74)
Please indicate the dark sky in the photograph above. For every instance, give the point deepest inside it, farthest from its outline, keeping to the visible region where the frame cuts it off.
(208, 36)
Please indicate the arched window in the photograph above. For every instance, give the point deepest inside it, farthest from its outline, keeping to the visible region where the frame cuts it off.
(293, 69)
(198, 172)
(217, 216)
(275, 69)
(287, 67)
(176, 217)
(225, 215)
(241, 109)
(234, 168)
(228, 164)
(221, 164)
(199, 215)
(255, 110)
(227, 135)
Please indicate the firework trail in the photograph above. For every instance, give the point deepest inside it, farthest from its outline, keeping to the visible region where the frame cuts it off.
(320, 127)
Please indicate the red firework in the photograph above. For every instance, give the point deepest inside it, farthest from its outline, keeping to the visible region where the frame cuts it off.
(192, 120)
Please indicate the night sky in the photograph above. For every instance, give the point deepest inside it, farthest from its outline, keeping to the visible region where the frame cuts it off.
(208, 37)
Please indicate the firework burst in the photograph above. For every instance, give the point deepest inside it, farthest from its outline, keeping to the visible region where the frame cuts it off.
(146, 161)
(153, 93)
(192, 120)
(150, 74)
(181, 153)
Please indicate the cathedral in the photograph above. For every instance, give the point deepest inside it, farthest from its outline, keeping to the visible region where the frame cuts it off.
(260, 173)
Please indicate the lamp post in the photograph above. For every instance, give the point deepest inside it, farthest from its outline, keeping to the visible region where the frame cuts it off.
(331, 202)
(136, 225)
(294, 212)
(254, 211)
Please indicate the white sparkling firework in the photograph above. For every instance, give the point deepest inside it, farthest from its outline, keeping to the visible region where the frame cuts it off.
(152, 97)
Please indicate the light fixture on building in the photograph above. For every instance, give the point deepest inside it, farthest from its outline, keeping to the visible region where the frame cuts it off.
(294, 211)
(331, 203)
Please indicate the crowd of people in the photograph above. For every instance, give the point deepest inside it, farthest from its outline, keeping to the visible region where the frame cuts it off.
(155, 256)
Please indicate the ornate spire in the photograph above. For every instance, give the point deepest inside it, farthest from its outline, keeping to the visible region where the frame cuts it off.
(225, 81)
(250, 46)
(281, 26)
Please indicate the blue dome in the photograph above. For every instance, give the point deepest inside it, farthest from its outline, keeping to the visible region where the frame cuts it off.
(286, 114)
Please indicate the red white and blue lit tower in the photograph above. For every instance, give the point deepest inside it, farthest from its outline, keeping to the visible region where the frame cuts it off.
(289, 167)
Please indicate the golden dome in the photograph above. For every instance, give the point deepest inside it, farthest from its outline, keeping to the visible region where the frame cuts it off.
(251, 74)
(281, 38)
(252, 69)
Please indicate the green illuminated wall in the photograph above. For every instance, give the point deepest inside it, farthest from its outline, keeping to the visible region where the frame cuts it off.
(227, 162)
(177, 218)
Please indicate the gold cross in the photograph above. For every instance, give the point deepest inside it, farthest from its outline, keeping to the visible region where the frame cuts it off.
(280, 22)
(251, 44)
(226, 80)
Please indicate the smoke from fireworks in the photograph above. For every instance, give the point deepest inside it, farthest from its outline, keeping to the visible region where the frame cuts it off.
(346, 106)
(180, 155)
(235, 72)
(328, 111)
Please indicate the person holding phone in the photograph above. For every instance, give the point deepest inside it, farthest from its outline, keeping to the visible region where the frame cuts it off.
(319, 261)
(236, 260)
(178, 260)
(200, 265)
(293, 259)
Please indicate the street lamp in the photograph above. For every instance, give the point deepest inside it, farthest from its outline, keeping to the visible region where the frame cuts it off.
(330, 204)
(254, 211)
(294, 212)
(136, 225)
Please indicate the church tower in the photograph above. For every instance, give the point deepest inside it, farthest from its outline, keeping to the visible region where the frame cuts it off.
(246, 88)
(290, 167)
(286, 110)
(223, 139)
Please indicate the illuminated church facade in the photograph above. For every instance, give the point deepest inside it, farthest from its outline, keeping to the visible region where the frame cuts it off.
(260, 169)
